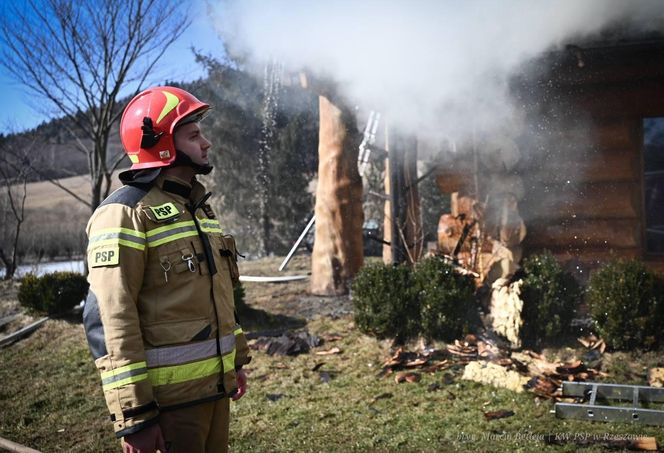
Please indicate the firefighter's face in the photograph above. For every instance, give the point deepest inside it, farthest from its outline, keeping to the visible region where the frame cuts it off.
(190, 140)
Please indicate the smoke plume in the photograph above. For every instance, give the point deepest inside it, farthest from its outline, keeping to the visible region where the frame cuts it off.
(436, 68)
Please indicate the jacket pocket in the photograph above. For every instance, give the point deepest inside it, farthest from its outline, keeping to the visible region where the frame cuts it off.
(173, 332)
(228, 250)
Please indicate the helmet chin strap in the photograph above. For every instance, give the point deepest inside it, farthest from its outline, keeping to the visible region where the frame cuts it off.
(183, 160)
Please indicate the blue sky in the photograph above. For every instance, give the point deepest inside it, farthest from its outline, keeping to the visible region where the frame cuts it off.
(177, 64)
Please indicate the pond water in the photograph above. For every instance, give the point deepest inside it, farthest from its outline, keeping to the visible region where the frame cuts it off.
(46, 268)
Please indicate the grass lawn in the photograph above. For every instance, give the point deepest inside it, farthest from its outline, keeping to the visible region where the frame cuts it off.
(51, 400)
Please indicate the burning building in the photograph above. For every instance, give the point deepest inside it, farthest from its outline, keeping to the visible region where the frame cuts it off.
(595, 122)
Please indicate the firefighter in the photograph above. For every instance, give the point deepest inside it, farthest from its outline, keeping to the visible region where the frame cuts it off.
(159, 317)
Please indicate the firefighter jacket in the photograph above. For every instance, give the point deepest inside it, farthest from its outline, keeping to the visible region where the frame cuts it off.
(159, 317)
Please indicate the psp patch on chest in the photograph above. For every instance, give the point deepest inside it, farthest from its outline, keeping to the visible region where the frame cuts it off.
(104, 256)
(165, 211)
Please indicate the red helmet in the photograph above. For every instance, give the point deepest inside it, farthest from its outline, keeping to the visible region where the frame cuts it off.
(148, 122)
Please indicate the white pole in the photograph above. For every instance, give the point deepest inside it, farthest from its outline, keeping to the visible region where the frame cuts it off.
(297, 243)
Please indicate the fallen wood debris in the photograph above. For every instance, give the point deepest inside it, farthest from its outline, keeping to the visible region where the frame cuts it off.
(495, 415)
(428, 361)
(289, 343)
(463, 349)
(407, 377)
(611, 441)
(332, 337)
(592, 342)
(332, 351)
(491, 362)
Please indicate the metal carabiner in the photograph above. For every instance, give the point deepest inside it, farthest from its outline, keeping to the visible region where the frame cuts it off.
(189, 259)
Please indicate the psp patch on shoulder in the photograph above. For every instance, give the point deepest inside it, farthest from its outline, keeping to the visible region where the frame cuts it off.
(104, 256)
(165, 211)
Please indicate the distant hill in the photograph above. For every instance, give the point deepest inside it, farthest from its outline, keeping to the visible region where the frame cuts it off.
(57, 154)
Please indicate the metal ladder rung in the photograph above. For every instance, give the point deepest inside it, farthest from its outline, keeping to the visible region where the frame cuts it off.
(594, 390)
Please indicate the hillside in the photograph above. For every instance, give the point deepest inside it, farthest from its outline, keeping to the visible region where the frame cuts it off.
(234, 126)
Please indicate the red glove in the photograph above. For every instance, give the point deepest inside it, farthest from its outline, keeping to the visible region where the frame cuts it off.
(241, 377)
(147, 440)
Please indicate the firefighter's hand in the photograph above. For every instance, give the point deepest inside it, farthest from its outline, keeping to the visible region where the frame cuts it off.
(241, 377)
(147, 440)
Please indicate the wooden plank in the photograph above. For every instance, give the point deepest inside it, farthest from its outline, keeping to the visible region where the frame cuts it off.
(590, 167)
(655, 264)
(602, 65)
(634, 99)
(579, 233)
(621, 134)
(449, 181)
(582, 201)
(586, 133)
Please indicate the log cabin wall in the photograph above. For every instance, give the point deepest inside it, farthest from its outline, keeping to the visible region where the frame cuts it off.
(584, 196)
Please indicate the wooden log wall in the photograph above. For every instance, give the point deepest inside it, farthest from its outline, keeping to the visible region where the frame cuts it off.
(589, 199)
(587, 206)
(584, 194)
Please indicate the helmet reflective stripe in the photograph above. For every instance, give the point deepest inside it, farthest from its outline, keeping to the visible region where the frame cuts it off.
(172, 101)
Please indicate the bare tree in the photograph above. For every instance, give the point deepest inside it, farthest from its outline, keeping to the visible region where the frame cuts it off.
(78, 55)
(14, 176)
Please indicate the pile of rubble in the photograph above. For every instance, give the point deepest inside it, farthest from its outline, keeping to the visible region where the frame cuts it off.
(485, 361)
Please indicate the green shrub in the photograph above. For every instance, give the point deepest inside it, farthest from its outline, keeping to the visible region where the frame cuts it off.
(626, 302)
(400, 302)
(445, 297)
(52, 294)
(385, 301)
(550, 297)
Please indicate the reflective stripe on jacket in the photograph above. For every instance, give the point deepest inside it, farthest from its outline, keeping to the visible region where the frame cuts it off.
(160, 317)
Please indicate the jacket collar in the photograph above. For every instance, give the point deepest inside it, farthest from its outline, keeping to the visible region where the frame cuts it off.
(184, 191)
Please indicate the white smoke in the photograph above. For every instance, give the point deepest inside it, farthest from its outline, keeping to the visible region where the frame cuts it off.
(433, 67)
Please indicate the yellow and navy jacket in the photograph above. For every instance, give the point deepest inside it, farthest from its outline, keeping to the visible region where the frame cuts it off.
(159, 317)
